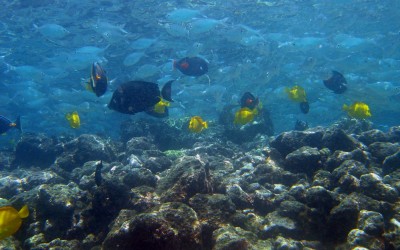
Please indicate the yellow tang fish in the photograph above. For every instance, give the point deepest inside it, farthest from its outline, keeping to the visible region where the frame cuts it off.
(196, 124)
(73, 119)
(296, 93)
(10, 220)
(245, 115)
(358, 110)
(160, 107)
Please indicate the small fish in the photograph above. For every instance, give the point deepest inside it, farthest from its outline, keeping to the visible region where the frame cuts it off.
(181, 15)
(196, 124)
(159, 110)
(11, 220)
(296, 93)
(98, 80)
(192, 66)
(138, 96)
(52, 30)
(245, 115)
(358, 110)
(73, 119)
(337, 83)
(97, 174)
(248, 100)
(6, 124)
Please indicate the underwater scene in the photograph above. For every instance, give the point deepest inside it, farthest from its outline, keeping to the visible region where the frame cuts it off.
(200, 124)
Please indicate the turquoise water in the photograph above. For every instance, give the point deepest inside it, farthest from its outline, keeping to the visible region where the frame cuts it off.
(48, 47)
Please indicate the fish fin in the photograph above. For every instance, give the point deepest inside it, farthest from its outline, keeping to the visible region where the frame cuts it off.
(166, 91)
(345, 107)
(18, 123)
(24, 212)
(205, 124)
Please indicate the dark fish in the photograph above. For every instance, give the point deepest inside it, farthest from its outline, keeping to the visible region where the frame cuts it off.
(97, 175)
(248, 101)
(98, 80)
(192, 66)
(138, 96)
(6, 124)
(301, 125)
(337, 83)
(304, 107)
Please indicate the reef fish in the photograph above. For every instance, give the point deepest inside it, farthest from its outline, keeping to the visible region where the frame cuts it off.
(138, 96)
(159, 110)
(11, 220)
(358, 110)
(73, 119)
(248, 100)
(196, 124)
(298, 94)
(192, 66)
(337, 83)
(98, 80)
(245, 115)
(6, 124)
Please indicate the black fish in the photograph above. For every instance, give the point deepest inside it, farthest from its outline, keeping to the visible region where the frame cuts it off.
(337, 83)
(301, 125)
(97, 174)
(98, 80)
(304, 107)
(248, 101)
(6, 124)
(192, 66)
(138, 96)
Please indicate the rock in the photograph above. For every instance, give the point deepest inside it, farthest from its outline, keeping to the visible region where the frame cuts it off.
(184, 179)
(143, 198)
(371, 222)
(349, 167)
(83, 149)
(303, 160)
(169, 226)
(140, 176)
(394, 134)
(278, 225)
(391, 163)
(372, 185)
(137, 145)
(263, 203)
(287, 142)
(55, 206)
(320, 198)
(342, 219)
(337, 139)
(44, 149)
(271, 174)
(156, 161)
(373, 135)
(361, 240)
(348, 184)
(282, 243)
(323, 178)
(59, 245)
(338, 157)
(235, 238)
(240, 198)
(381, 150)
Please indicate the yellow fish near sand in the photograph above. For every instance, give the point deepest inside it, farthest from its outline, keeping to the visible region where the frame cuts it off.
(73, 119)
(196, 124)
(358, 110)
(11, 219)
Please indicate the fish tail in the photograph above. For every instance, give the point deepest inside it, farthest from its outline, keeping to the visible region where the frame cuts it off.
(205, 124)
(166, 91)
(24, 212)
(18, 123)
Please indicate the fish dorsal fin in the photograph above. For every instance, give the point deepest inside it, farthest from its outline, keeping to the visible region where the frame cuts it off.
(24, 212)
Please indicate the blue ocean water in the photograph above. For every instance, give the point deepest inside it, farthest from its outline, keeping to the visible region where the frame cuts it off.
(48, 47)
